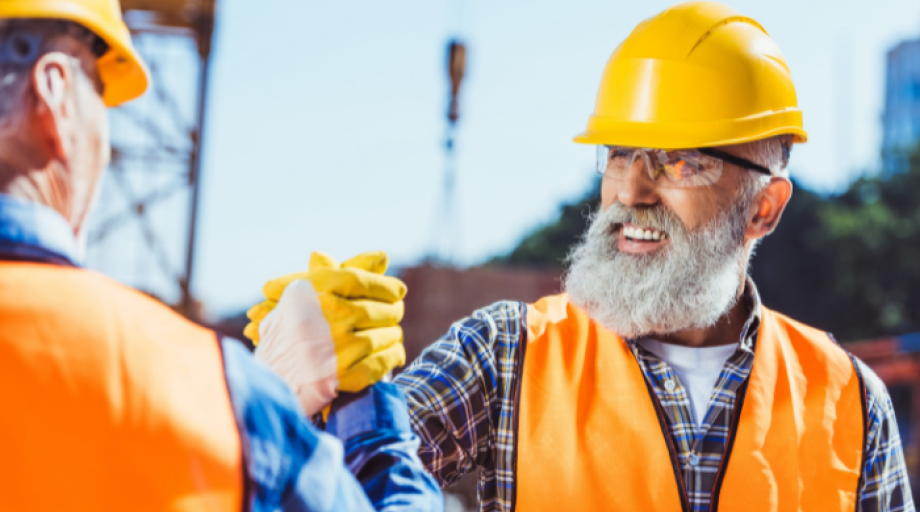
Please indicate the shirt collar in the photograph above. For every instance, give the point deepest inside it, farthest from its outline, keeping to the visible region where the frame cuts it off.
(752, 325)
(25, 223)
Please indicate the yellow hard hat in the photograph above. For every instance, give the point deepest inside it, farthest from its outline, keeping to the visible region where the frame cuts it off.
(121, 69)
(697, 75)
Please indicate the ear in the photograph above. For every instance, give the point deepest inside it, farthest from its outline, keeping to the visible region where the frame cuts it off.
(768, 207)
(53, 81)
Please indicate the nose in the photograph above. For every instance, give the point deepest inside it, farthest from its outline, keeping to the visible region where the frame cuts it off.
(634, 189)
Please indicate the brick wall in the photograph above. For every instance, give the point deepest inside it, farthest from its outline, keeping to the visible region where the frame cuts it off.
(439, 296)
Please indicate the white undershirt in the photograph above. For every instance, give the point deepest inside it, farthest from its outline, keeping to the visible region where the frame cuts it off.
(698, 370)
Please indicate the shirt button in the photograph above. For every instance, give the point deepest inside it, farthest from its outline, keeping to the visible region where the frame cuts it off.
(669, 385)
(693, 459)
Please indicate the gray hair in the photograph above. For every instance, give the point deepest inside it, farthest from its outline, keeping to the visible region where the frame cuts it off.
(23, 42)
(772, 153)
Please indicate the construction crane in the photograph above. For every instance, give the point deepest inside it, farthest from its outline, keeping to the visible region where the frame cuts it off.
(145, 227)
(447, 230)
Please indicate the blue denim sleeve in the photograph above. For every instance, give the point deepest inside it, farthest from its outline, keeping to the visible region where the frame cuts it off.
(382, 451)
(290, 465)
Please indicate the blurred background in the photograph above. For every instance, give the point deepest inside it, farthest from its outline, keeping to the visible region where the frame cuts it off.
(440, 131)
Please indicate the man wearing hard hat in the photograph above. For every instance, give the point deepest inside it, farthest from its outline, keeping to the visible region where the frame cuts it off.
(112, 402)
(658, 381)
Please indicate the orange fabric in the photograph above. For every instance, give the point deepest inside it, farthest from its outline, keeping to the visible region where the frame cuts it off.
(589, 436)
(110, 401)
(800, 438)
(573, 437)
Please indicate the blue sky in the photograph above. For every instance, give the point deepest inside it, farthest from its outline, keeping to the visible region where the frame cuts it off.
(327, 118)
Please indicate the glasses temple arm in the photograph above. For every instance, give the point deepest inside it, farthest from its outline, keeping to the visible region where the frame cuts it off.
(735, 160)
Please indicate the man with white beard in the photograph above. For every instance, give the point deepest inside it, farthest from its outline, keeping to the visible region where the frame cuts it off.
(658, 381)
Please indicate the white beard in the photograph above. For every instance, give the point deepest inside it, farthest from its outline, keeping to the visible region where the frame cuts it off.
(689, 284)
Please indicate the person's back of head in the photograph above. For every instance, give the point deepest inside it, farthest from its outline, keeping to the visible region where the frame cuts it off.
(62, 62)
(53, 128)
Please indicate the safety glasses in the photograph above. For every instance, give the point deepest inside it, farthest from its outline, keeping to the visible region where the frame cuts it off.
(679, 168)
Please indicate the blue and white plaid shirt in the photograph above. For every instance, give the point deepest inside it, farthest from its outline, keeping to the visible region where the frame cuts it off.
(462, 406)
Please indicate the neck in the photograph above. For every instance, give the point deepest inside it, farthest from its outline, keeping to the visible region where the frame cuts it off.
(49, 185)
(726, 331)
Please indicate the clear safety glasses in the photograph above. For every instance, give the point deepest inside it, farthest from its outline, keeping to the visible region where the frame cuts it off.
(679, 168)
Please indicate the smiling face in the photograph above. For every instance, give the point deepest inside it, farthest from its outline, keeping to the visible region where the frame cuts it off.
(693, 206)
(659, 259)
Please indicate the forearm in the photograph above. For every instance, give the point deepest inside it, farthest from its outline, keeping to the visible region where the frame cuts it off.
(457, 391)
(382, 451)
(447, 412)
(325, 484)
(291, 465)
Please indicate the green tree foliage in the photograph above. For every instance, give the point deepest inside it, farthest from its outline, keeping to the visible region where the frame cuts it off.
(847, 263)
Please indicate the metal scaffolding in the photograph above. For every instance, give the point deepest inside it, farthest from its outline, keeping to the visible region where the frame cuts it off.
(144, 228)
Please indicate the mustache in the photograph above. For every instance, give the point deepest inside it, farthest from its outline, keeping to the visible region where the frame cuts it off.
(658, 217)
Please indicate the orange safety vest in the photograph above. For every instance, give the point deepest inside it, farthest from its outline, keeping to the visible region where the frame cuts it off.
(110, 401)
(591, 435)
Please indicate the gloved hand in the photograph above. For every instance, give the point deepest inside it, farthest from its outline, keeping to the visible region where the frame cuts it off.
(333, 328)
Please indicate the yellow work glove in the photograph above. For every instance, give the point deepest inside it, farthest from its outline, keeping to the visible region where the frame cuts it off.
(335, 327)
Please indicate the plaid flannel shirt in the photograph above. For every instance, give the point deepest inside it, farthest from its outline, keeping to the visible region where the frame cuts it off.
(462, 404)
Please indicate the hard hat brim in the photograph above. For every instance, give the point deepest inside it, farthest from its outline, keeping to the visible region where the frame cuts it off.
(693, 134)
(124, 74)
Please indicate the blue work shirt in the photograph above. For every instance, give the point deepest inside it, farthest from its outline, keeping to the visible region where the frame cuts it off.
(367, 458)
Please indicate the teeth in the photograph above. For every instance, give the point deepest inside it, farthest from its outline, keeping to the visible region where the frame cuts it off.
(634, 233)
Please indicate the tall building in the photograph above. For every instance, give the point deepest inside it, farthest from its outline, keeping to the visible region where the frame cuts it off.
(901, 120)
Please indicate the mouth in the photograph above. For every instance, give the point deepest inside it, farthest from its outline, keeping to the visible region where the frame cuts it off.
(635, 239)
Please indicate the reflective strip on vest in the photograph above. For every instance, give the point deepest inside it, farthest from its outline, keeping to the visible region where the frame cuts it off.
(592, 437)
(111, 402)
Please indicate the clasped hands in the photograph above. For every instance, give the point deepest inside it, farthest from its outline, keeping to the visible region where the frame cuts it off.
(333, 328)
